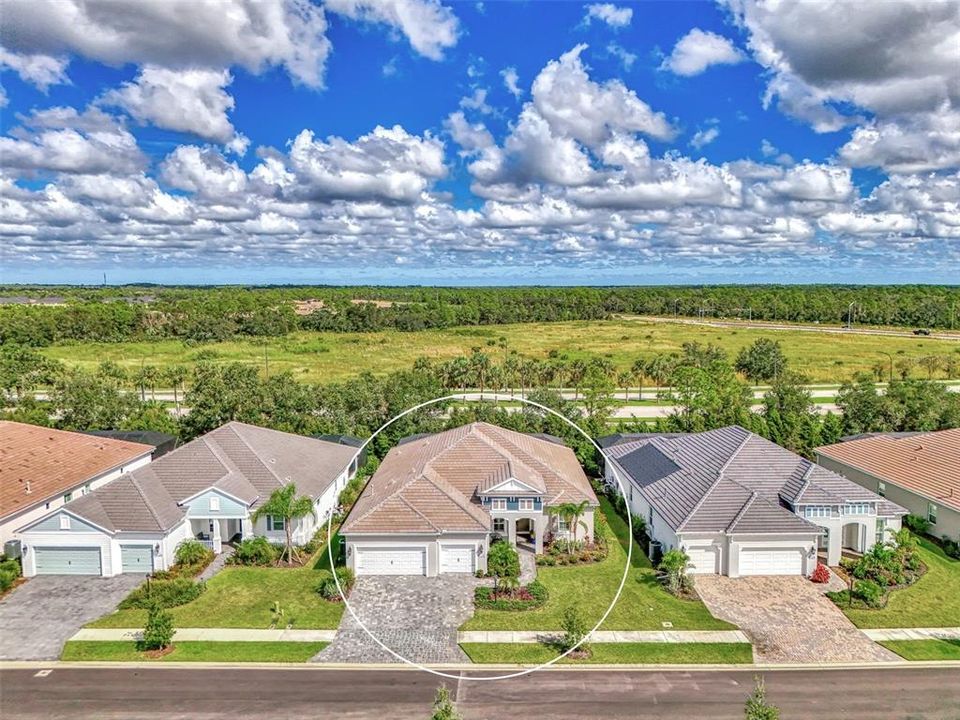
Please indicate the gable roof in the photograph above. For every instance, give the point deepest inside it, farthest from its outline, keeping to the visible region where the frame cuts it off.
(731, 480)
(243, 461)
(431, 483)
(926, 463)
(40, 463)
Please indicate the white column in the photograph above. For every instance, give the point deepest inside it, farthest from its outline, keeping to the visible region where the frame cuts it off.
(217, 540)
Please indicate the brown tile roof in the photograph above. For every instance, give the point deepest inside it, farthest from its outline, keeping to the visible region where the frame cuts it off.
(926, 463)
(53, 462)
(245, 461)
(430, 484)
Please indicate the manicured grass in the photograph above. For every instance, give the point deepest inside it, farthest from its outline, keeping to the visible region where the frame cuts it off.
(933, 601)
(325, 357)
(615, 653)
(123, 651)
(925, 649)
(643, 605)
(243, 597)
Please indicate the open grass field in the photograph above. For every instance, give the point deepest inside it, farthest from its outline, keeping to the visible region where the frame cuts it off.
(925, 649)
(325, 357)
(124, 651)
(615, 653)
(933, 601)
(643, 605)
(242, 597)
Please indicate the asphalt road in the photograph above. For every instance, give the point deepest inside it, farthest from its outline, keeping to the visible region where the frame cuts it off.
(197, 693)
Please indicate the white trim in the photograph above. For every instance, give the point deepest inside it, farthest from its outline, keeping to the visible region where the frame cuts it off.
(63, 509)
(510, 480)
(213, 488)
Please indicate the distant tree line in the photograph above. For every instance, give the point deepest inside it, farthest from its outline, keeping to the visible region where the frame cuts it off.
(220, 313)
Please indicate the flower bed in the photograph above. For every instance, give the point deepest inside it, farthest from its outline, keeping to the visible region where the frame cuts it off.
(527, 597)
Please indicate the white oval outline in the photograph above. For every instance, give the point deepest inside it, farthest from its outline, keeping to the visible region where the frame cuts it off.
(526, 671)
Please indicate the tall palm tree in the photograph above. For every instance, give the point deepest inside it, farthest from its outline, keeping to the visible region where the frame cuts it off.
(639, 369)
(576, 372)
(284, 503)
(570, 513)
(176, 375)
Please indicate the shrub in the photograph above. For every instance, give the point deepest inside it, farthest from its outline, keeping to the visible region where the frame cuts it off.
(869, 592)
(503, 560)
(328, 586)
(158, 632)
(528, 597)
(163, 593)
(9, 572)
(673, 568)
(951, 548)
(821, 574)
(255, 551)
(575, 630)
(917, 524)
(192, 553)
(757, 707)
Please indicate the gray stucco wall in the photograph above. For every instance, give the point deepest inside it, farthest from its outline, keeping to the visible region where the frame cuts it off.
(948, 520)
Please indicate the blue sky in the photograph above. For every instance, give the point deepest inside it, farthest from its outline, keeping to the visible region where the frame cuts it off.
(408, 141)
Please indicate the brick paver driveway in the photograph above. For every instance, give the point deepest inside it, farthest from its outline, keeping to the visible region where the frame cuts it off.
(46, 611)
(414, 616)
(788, 620)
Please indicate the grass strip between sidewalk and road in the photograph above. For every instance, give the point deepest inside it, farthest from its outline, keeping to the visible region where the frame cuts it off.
(924, 649)
(616, 653)
(126, 651)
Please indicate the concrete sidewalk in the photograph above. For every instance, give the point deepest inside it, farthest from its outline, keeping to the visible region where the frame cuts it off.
(608, 636)
(212, 635)
(880, 634)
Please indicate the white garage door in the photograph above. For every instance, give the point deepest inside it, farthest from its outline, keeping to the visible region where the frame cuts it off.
(456, 559)
(703, 560)
(67, 561)
(754, 561)
(137, 558)
(400, 561)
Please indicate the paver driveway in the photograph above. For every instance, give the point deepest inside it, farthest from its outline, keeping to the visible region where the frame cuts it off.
(788, 620)
(46, 611)
(414, 616)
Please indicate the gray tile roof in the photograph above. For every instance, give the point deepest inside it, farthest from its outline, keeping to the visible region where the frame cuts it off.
(244, 461)
(731, 480)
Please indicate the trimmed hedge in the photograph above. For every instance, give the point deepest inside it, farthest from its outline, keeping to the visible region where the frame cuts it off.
(163, 593)
(528, 597)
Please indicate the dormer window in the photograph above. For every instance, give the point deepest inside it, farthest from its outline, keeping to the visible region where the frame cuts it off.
(214, 504)
(526, 504)
(498, 504)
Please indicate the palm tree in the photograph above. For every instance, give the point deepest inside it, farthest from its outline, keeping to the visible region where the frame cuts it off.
(576, 372)
(176, 376)
(624, 378)
(284, 503)
(480, 365)
(639, 369)
(570, 513)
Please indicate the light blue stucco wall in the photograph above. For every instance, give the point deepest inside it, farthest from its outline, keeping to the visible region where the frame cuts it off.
(52, 524)
(200, 506)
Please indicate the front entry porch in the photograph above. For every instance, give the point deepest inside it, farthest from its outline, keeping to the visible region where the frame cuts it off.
(214, 532)
(523, 532)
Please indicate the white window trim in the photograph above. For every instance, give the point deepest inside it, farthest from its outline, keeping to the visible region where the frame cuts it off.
(64, 522)
(932, 513)
(498, 504)
(503, 521)
(526, 504)
(272, 524)
(214, 503)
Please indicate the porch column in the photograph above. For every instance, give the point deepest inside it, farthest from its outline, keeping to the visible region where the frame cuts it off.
(512, 531)
(217, 539)
(539, 527)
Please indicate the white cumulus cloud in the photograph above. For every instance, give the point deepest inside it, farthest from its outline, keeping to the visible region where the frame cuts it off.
(698, 50)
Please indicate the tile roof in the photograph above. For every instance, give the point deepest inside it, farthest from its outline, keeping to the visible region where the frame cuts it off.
(731, 480)
(926, 463)
(430, 483)
(40, 463)
(244, 461)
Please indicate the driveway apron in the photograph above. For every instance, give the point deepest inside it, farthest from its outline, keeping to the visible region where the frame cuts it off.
(788, 620)
(38, 617)
(416, 617)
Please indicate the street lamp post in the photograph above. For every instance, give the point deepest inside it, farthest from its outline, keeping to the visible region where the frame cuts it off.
(891, 362)
(850, 315)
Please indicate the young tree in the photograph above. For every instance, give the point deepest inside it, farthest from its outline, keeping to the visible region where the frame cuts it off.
(575, 630)
(762, 361)
(502, 562)
(158, 631)
(707, 398)
(444, 708)
(284, 503)
(757, 707)
(674, 565)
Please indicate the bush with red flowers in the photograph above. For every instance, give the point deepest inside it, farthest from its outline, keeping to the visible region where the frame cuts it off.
(821, 574)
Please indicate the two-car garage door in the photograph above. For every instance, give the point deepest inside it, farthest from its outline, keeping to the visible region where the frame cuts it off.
(391, 561)
(67, 560)
(766, 561)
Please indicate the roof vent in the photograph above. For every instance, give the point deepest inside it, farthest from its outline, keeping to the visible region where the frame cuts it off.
(28, 488)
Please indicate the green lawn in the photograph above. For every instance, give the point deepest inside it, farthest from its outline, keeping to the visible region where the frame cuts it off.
(933, 601)
(326, 357)
(925, 649)
(242, 597)
(615, 653)
(123, 651)
(643, 605)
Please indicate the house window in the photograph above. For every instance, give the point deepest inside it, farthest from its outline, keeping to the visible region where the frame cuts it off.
(498, 504)
(562, 525)
(882, 489)
(68, 497)
(499, 525)
(881, 531)
(214, 504)
(86, 488)
(64, 522)
(932, 513)
(526, 503)
(859, 509)
(274, 523)
(817, 511)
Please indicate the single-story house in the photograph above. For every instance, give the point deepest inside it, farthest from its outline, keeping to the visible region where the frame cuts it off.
(162, 442)
(741, 505)
(435, 501)
(920, 471)
(42, 468)
(206, 489)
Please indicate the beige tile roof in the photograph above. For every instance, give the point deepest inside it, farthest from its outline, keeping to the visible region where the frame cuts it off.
(926, 463)
(430, 484)
(40, 463)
